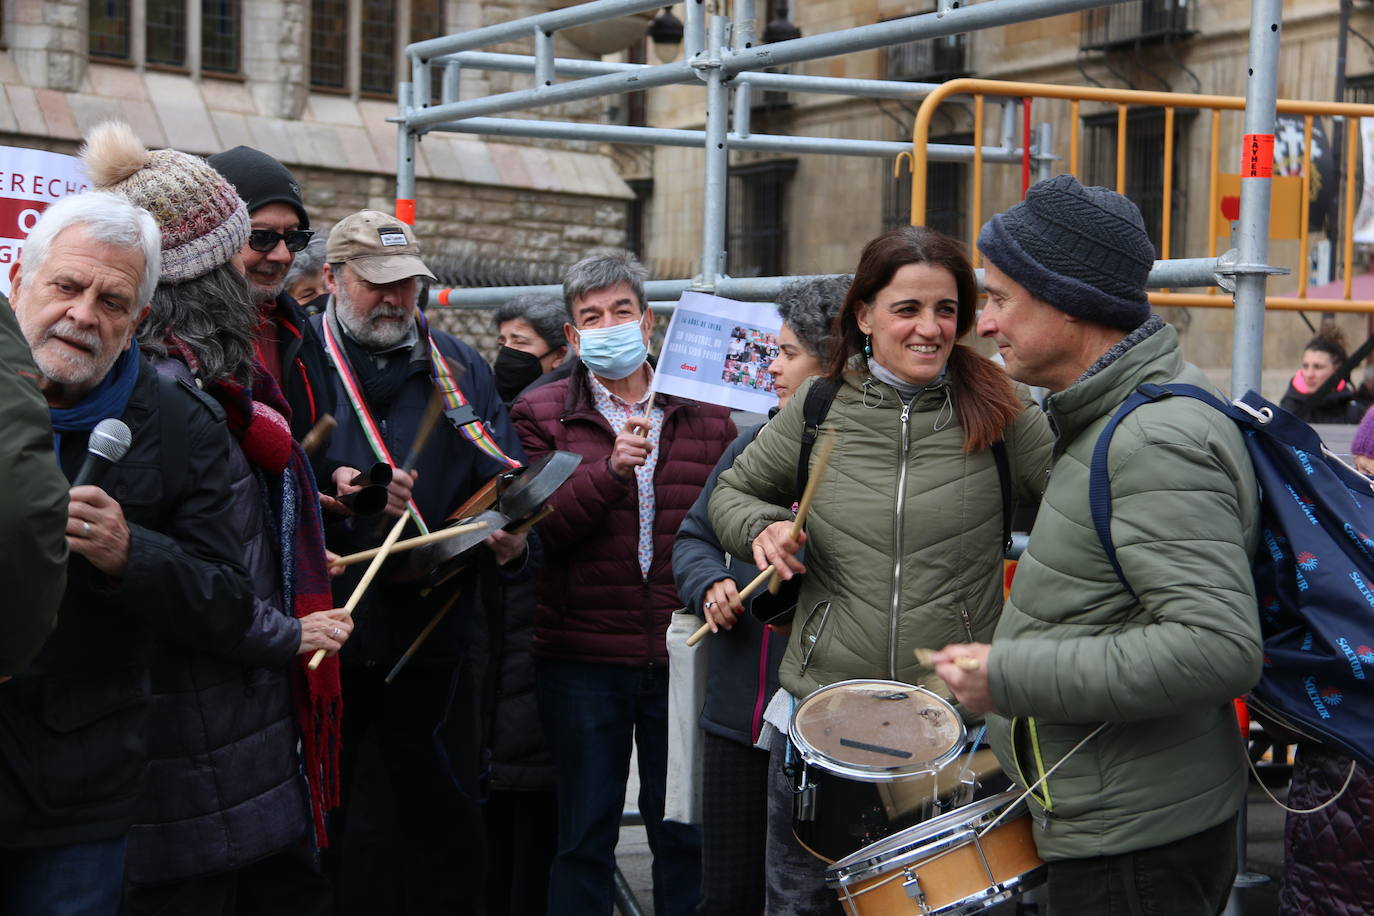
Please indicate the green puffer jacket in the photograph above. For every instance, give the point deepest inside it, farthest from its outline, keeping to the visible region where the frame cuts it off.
(1073, 649)
(905, 534)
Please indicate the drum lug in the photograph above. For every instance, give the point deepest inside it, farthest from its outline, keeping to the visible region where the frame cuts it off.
(804, 798)
(912, 886)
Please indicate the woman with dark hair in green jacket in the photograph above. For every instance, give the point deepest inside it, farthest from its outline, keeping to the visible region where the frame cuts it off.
(904, 538)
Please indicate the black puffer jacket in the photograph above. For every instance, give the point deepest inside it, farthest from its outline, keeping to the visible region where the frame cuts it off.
(1328, 854)
(1338, 406)
(74, 724)
(223, 787)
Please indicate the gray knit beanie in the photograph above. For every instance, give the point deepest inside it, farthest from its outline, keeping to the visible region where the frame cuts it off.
(203, 221)
(1084, 251)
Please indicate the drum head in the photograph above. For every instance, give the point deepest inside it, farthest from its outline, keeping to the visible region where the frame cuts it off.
(874, 730)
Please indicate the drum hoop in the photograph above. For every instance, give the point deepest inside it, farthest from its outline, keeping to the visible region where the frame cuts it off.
(962, 825)
(866, 773)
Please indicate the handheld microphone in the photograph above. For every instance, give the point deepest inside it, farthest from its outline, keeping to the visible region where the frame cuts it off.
(107, 444)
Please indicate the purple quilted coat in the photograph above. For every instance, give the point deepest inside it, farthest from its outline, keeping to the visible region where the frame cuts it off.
(594, 603)
(1328, 855)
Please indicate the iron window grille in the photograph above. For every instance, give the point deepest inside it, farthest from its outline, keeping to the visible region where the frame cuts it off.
(756, 218)
(1138, 21)
(1144, 166)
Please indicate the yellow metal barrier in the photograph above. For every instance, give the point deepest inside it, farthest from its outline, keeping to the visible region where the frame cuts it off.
(1170, 102)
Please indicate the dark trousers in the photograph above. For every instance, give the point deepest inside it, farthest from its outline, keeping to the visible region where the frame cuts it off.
(796, 878)
(734, 827)
(591, 715)
(408, 839)
(82, 879)
(288, 883)
(522, 837)
(1188, 877)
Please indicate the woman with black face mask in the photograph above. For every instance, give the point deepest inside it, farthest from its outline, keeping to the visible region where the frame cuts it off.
(530, 332)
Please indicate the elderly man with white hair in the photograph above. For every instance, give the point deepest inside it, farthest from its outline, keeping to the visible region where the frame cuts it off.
(151, 551)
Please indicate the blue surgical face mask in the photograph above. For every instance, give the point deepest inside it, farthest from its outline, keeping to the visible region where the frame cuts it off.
(613, 352)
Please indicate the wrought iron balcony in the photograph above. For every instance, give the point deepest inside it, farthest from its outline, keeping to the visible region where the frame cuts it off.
(1136, 22)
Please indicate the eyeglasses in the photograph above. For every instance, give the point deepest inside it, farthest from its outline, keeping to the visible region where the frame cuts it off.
(265, 240)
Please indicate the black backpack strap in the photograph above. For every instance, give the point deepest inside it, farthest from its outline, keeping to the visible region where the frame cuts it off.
(999, 455)
(819, 397)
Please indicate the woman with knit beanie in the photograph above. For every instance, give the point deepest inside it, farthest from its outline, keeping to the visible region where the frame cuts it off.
(232, 816)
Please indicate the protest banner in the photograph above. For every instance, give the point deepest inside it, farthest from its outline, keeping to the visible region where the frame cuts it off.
(30, 181)
(718, 351)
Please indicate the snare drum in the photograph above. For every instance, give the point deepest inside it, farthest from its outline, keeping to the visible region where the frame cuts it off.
(871, 753)
(953, 865)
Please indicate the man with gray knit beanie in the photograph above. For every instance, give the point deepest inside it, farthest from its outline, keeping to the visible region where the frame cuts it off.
(1124, 694)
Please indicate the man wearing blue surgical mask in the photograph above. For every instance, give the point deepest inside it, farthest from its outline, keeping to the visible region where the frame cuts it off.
(606, 590)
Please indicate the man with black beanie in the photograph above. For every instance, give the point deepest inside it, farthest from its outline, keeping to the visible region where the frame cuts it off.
(287, 345)
(1108, 691)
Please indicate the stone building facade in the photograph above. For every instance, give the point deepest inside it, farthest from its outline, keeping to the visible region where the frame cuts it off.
(501, 211)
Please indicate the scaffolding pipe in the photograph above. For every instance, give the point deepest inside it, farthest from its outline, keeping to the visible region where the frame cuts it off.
(450, 88)
(670, 136)
(1252, 237)
(694, 30)
(520, 29)
(788, 82)
(1181, 272)
(717, 159)
(405, 161)
(970, 18)
(743, 40)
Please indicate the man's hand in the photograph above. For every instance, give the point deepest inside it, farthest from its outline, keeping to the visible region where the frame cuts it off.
(507, 547)
(327, 630)
(631, 447)
(341, 478)
(96, 529)
(970, 687)
(776, 547)
(722, 605)
(398, 492)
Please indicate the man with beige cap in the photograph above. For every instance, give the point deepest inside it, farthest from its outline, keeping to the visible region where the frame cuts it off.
(423, 845)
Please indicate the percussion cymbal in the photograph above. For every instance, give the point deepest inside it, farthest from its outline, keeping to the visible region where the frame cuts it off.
(536, 483)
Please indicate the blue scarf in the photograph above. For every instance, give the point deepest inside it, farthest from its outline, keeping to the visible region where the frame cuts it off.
(108, 399)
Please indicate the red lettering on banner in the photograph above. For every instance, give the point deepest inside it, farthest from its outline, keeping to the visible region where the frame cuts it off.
(17, 217)
(1257, 161)
(687, 367)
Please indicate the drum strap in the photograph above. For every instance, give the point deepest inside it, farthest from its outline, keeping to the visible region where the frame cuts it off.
(1035, 785)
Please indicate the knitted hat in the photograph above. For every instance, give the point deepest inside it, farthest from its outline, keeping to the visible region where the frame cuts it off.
(1082, 250)
(260, 180)
(381, 248)
(203, 222)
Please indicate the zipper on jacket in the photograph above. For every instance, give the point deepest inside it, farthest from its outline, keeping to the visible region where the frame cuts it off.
(897, 539)
(968, 622)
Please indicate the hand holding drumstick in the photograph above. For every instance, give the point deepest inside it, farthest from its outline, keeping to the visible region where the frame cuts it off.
(964, 667)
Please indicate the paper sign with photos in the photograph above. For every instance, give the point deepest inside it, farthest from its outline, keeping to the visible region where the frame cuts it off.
(718, 350)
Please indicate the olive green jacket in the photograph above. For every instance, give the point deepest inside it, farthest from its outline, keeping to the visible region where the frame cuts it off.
(905, 533)
(1074, 649)
(33, 506)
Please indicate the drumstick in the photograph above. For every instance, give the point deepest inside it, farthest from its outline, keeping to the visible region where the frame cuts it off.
(748, 590)
(521, 528)
(803, 507)
(410, 543)
(319, 433)
(366, 580)
(962, 662)
(424, 634)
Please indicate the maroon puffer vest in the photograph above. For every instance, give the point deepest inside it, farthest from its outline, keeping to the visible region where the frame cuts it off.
(594, 604)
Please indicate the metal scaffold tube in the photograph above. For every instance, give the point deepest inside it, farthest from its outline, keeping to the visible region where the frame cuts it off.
(717, 157)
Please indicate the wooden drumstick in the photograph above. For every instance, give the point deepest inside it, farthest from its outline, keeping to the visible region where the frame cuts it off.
(521, 528)
(410, 543)
(803, 507)
(962, 662)
(748, 590)
(366, 580)
(319, 433)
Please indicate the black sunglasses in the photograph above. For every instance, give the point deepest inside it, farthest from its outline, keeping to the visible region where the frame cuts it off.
(265, 240)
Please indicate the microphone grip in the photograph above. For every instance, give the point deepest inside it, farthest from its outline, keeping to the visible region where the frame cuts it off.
(93, 471)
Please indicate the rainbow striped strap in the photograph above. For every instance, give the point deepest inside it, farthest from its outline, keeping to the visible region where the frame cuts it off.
(456, 406)
(369, 425)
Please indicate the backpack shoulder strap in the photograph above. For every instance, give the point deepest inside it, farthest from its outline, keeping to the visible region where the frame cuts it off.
(1099, 484)
(999, 455)
(819, 397)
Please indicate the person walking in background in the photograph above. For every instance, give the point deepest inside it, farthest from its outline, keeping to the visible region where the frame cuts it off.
(606, 590)
(742, 666)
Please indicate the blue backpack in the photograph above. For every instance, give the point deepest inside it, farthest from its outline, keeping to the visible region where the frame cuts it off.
(1313, 571)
